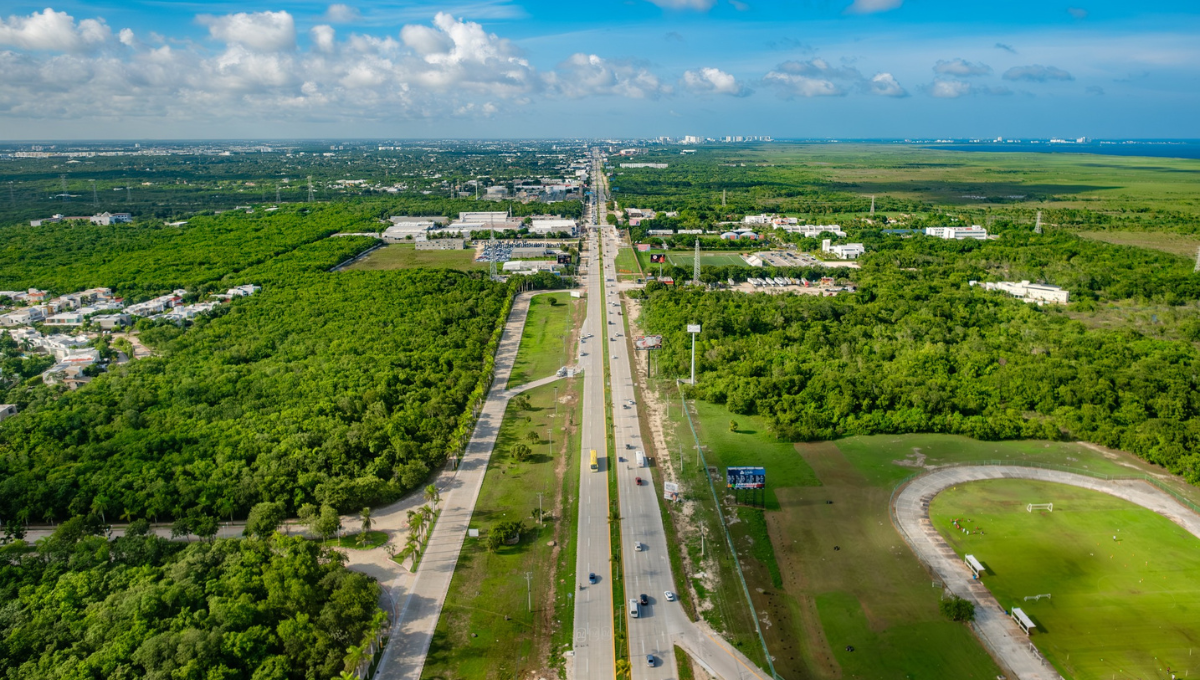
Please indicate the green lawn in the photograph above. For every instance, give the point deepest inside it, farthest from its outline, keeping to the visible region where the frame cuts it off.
(546, 343)
(374, 539)
(626, 261)
(406, 256)
(1178, 244)
(1125, 607)
(473, 639)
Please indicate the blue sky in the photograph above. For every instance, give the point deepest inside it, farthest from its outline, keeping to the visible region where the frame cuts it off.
(513, 68)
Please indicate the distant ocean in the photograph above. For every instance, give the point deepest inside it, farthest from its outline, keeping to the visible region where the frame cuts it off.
(1158, 149)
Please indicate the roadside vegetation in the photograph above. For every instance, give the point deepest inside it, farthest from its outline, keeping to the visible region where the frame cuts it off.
(487, 629)
(549, 338)
(139, 606)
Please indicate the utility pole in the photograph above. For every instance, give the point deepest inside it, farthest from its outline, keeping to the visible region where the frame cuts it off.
(722, 198)
(694, 329)
(310, 189)
(872, 205)
(556, 401)
(95, 198)
(696, 266)
(529, 589)
(540, 511)
(64, 187)
(1037, 226)
(550, 434)
(276, 193)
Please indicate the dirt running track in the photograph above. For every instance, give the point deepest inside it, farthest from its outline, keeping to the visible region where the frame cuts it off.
(998, 632)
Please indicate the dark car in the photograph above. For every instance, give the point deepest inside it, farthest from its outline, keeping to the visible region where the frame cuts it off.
(637, 481)
(591, 578)
(643, 600)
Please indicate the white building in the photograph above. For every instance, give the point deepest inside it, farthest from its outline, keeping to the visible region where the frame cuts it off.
(812, 230)
(439, 244)
(7, 411)
(74, 318)
(483, 217)
(757, 219)
(960, 233)
(1039, 293)
(106, 218)
(404, 230)
(22, 317)
(845, 251)
(549, 225)
(242, 290)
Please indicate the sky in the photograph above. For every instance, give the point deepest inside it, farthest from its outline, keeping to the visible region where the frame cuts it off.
(218, 69)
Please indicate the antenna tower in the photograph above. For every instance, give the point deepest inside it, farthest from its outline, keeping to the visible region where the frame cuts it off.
(276, 193)
(64, 187)
(696, 266)
(310, 191)
(872, 205)
(12, 193)
(1196, 270)
(1037, 226)
(126, 193)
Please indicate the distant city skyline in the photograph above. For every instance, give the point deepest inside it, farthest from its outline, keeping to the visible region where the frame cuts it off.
(634, 69)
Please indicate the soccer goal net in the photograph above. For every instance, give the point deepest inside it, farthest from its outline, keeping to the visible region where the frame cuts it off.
(1040, 506)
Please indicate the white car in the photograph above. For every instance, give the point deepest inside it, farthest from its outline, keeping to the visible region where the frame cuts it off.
(637, 547)
(670, 596)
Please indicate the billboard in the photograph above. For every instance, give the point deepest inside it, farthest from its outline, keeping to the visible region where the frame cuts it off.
(658, 258)
(647, 342)
(670, 491)
(746, 478)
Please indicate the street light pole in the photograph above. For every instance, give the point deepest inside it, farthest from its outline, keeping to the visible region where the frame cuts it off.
(540, 511)
(529, 589)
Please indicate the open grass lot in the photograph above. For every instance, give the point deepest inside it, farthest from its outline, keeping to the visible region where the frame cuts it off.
(406, 256)
(1125, 608)
(626, 261)
(959, 178)
(487, 587)
(687, 259)
(1176, 244)
(548, 340)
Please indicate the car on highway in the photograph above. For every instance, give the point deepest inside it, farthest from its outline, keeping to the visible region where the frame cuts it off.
(592, 578)
(637, 481)
(650, 660)
(670, 595)
(643, 599)
(637, 547)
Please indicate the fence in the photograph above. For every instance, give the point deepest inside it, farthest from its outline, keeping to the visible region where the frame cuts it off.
(728, 539)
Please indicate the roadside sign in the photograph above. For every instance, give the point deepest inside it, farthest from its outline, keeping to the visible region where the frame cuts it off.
(745, 478)
(671, 491)
(693, 328)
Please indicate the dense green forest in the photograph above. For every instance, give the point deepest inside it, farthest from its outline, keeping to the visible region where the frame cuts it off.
(82, 607)
(344, 389)
(916, 349)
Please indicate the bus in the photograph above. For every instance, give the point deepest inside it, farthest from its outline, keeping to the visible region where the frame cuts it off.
(595, 462)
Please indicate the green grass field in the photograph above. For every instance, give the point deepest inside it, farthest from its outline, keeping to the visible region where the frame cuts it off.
(547, 340)
(687, 259)
(626, 262)
(488, 587)
(1125, 608)
(406, 256)
(1176, 244)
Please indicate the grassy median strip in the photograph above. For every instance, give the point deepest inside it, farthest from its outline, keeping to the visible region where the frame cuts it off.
(546, 343)
(505, 612)
(620, 634)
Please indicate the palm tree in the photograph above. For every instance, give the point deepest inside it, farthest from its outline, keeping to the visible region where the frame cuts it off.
(623, 668)
(354, 659)
(365, 515)
(432, 494)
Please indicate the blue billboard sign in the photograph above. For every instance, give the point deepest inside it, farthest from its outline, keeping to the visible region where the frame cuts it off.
(746, 478)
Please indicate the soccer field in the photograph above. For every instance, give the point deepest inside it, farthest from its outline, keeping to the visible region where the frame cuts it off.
(1126, 608)
(686, 260)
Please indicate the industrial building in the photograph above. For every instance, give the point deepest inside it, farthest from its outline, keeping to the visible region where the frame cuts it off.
(1039, 293)
(972, 232)
(439, 243)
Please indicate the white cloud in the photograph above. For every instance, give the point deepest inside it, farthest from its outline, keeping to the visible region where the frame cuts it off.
(961, 68)
(263, 31)
(127, 37)
(341, 14)
(1037, 73)
(697, 5)
(52, 30)
(582, 75)
(886, 85)
(322, 37)
(949, 89)
(714, 81)
(953, 89)
(872, 6)
(792, 85)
